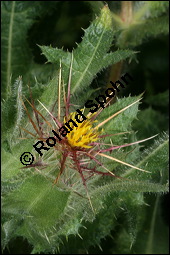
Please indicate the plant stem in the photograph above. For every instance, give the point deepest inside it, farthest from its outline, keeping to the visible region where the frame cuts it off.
(126, 15)
(126, 11)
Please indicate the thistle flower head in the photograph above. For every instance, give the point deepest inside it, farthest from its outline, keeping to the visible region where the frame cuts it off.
(83, 134)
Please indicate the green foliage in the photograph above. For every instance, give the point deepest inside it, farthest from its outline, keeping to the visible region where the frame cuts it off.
(59, 218)
(148, 19)
(88, 53)
(17, 58)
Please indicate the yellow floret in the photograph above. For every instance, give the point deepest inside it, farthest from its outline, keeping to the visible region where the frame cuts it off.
(82, 135)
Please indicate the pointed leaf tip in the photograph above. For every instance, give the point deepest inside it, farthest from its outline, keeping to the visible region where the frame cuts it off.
(106, 18)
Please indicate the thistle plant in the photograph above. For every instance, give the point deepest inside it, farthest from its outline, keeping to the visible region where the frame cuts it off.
(75, 193)
(79, 144)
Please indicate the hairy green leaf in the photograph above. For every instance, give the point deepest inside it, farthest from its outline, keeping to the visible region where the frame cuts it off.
(86, 57)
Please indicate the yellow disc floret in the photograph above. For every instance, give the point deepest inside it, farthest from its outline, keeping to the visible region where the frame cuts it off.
(83, 134)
